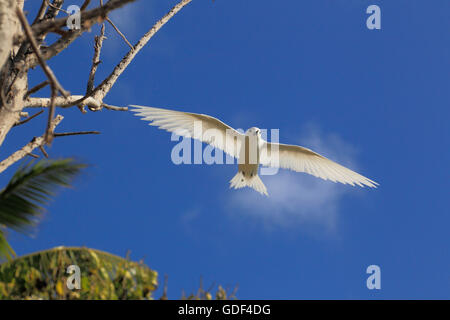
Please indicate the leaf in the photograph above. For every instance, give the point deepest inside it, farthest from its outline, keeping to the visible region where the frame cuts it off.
(29, 190)
(60, 288)
(5, 248)
(32, 187)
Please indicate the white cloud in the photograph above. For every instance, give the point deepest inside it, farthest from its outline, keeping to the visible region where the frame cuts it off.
(297, 199)
(188, 220)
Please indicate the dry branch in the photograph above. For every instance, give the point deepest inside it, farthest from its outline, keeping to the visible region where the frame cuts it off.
(36, 88)
(43, 151)
(57, 8)
(28, 119)
(85, 4)
(119, 32)
(21, 51)
(77, 133)
(41, 12)
(98, 43)
(48, 72)
(27, 149)
(101, 91)
(88, 18)
(70, 101)
(54, 83)
(50, 15)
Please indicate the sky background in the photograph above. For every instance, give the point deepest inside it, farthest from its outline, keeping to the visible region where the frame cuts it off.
(374, 100)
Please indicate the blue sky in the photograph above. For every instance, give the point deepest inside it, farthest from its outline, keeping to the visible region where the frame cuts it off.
(376, 101)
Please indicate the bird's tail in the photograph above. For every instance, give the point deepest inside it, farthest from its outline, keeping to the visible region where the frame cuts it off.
(255, 182)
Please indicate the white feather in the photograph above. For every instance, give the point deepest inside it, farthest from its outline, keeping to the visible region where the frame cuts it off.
(301, 159)
(221, 135)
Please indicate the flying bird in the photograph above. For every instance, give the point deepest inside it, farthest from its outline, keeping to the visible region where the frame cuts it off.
(250, 149)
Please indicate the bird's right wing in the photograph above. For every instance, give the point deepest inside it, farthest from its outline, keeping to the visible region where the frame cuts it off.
(193, 125)
(302, 159)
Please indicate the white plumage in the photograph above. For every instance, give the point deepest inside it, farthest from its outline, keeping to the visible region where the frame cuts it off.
(250, 149)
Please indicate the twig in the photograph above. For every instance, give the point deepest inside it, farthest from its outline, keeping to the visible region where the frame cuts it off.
(48, 72)
(84, 5)
(120, 33)
(211, 287)
(49, 52)
(54, 83)
(200, 288)
(51, 14)
(51, 113)
(41, 12)
(36, 88)
(43, 151)
(102, 89)
(87, 18)
(109, 107)
(56, 8)
(33, 155)
(233, 293)
(28, 119)
(65, 134)
(164, 295)
(96, 59)
(28, 148)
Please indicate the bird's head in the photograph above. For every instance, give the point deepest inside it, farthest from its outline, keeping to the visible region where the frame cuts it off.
(254, 131)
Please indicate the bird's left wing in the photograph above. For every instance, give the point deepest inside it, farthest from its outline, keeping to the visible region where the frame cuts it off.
(193, 125)
(302, 159)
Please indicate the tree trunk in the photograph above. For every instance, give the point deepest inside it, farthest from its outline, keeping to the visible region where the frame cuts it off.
(13, 86)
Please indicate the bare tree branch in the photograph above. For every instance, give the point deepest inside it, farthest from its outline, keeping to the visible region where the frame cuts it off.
(33, 102)
(85, 4)
(57, 8)
(50, 15)
(41, 147)
(58, 46)
(48, 72)
(28, 148)
(109, 107)
(23, 52)
(92, 103)
(120, 33)
(88, 18)
(54, 83)
(65, 134)
(36, 88)
(101, 91)
(41, 12)
(98, 43)
(28, 119)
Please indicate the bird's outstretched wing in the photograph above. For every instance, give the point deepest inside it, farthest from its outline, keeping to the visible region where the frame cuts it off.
(193, 125)
(301, 159)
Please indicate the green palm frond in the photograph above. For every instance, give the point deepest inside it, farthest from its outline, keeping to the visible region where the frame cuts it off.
(30, 189)
(5, 248)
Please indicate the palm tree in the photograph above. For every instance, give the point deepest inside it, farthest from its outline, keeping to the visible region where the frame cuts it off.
(22, 201)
